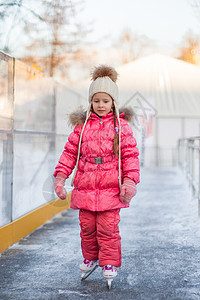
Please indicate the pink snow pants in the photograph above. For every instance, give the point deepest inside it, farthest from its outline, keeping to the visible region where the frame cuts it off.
(100, 237)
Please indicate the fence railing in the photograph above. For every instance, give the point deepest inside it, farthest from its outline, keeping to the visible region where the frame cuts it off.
(189, 161)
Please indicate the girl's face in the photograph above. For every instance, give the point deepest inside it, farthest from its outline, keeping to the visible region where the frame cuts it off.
(102, 104)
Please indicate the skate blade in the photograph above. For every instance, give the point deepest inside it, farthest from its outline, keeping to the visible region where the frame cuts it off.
(85, 275)
(109, 283)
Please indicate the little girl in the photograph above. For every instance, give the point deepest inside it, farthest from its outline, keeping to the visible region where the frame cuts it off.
(103, 152)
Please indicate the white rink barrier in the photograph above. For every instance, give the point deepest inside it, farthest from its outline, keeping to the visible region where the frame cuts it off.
(34, 127)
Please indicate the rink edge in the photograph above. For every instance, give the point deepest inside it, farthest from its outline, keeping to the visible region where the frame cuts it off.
(18, 229)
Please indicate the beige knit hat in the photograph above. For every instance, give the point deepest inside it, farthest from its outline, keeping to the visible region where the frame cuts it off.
(104, 78)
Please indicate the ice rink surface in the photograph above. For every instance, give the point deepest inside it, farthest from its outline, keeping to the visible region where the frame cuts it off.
(160, 250)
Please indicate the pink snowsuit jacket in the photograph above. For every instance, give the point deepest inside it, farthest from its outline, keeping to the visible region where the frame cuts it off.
(96, 185)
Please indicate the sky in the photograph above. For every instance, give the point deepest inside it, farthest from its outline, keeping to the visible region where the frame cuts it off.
(163, 21)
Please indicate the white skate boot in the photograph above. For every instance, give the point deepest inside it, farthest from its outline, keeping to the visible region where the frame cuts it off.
(109, 272)
(87, 267)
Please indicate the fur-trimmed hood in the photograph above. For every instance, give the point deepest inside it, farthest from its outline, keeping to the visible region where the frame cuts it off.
(78, 117)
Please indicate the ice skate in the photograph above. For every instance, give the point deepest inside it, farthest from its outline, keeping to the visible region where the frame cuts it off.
(109, 273)
(87, 267)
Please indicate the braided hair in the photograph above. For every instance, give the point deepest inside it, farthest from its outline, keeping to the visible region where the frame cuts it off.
(116, 140)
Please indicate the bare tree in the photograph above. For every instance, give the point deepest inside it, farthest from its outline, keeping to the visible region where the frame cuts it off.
(190, 48)
(50, 32)
(59, 35)
(195, 4)
(13, 15)
(132, 46)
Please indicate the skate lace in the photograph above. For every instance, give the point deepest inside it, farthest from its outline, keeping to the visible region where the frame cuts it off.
(109, 268)
(86, 261)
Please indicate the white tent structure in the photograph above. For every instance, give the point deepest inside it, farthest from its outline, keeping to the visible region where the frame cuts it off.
(165, 94)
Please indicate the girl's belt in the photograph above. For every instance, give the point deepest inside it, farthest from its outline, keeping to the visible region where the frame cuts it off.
(99, 160)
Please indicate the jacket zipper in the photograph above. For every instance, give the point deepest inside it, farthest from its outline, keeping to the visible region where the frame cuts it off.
(97, 199)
